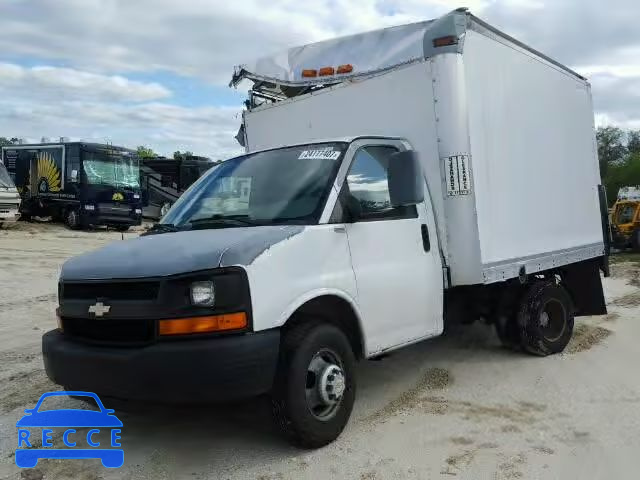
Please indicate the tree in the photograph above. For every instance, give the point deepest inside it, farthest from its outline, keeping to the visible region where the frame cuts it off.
(178, 155)
(145, 152)
(633, 142)
(4, 141)
(623, 174)
(610, 147)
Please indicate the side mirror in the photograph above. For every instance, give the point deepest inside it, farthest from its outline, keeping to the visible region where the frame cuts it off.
(74, 175)
(406, 183)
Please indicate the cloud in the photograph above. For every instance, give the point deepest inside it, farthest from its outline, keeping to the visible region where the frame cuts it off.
(54, 102)
(200, 38)
(89, 51)
(54, 82)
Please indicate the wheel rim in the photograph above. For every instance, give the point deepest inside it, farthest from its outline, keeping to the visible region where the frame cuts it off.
(325, 384)
(553, 320)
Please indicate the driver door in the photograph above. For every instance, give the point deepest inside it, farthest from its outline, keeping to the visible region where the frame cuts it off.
(394, 255)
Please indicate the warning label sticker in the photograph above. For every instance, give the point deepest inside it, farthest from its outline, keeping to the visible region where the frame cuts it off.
(319, 155)
(457, 175)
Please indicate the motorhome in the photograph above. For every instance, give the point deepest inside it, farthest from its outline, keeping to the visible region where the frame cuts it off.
(78, 183)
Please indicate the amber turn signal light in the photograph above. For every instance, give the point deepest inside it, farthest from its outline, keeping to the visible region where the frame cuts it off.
(211, 323)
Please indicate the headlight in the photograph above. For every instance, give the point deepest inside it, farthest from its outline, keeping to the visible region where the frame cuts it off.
(203, 293)
(89, 207)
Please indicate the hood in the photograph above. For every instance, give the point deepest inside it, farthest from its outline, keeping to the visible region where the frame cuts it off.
(174, 253)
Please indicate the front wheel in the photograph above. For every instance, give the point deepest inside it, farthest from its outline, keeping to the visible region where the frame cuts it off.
(165, 209)
(315, 385)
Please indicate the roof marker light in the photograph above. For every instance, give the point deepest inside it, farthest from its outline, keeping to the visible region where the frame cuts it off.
(309, 73)
(445, 41)
(326, 71)
(346, 68)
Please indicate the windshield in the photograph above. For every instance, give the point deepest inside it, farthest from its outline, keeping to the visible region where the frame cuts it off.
(283, 186)
(626, 212)
(115, 169)
(5, 179)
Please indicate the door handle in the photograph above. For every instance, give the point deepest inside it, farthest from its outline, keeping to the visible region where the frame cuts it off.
(426, 243)
(340, 229)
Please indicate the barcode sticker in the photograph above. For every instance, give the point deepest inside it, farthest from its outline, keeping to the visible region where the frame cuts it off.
(319, 155)
(458, 175)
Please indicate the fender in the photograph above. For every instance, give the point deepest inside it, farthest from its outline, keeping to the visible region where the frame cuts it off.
(320, 292)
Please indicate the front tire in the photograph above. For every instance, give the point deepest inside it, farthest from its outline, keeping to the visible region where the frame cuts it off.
(545, 318)
(315, 384)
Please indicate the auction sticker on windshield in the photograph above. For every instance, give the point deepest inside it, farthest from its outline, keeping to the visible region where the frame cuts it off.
(69, 433)
(325, 154)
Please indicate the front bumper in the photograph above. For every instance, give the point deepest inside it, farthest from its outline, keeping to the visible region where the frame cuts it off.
(9, 216)
(99, 218)
(175, 371)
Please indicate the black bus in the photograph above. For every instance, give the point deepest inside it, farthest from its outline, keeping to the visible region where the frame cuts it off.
(79, 183)
(163, 180)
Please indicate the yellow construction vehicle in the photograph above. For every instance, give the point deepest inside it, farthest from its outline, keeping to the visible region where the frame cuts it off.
(625, 219)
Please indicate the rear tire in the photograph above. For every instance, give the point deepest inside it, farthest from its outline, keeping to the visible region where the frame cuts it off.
(545, 318)
(72, 219)
(316, 359)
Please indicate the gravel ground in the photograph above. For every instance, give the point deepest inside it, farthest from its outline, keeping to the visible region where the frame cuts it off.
(458, 406)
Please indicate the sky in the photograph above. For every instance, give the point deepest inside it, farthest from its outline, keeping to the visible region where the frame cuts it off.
(155, 72)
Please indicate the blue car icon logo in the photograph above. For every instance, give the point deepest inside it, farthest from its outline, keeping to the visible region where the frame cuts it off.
(69, 419)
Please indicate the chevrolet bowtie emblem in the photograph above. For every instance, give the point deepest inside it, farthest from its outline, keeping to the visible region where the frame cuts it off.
(99, 309)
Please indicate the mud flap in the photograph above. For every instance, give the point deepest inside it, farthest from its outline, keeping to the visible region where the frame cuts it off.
(584, 284)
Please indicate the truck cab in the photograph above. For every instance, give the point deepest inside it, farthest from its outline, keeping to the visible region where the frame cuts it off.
(9, 198)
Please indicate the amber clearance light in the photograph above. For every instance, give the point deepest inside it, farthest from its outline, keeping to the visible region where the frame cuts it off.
(210, 323)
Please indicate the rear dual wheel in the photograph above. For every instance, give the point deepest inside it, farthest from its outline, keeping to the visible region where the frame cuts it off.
(543, 322)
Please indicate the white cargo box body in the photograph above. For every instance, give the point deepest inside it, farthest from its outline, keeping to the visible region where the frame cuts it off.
(505, 136)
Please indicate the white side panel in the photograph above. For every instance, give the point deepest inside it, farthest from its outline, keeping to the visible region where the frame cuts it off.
(396, 104)
(457, 167)
(313, 263)
(534, 163)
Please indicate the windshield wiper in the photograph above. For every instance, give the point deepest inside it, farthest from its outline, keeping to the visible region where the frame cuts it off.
(161, 228)
(222, 220)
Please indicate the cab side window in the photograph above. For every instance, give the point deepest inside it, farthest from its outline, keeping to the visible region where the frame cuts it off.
(367, 187)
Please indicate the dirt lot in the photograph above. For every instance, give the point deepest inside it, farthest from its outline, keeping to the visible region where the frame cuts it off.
(458, 406)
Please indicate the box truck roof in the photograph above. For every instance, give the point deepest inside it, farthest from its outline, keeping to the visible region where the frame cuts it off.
(336, 60)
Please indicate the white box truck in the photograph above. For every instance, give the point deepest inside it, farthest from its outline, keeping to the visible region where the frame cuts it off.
(9, 197)
(394, 181)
